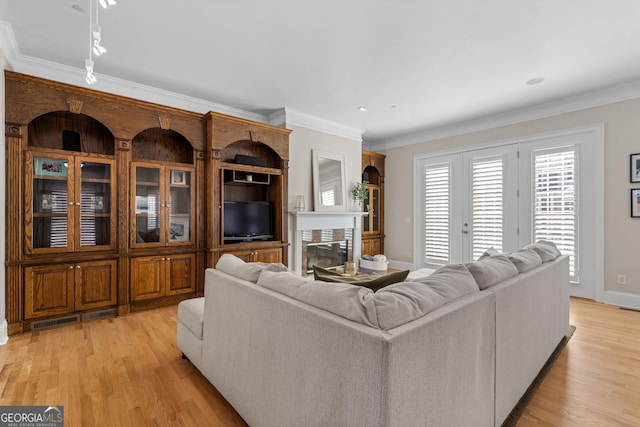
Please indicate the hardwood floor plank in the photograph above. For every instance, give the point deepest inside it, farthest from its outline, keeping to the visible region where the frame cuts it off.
(128, 371)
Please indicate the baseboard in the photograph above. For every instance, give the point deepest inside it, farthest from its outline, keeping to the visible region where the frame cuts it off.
(4, 337)
(622, 299)
(399, 265)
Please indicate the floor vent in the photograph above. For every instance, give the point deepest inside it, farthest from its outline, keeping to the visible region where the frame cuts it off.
(111, 312)
(55, 322)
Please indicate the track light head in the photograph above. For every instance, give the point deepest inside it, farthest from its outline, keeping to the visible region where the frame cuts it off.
(106, 4)
(97, 49)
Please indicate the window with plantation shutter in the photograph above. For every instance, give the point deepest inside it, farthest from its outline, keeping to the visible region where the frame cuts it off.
(554, 201)
(437, 213)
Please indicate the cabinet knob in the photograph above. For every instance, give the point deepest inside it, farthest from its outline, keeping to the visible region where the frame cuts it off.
(163, 259)
(77, 203)
(71, 267)
(77, 266)
(168, 259)
(70, 203)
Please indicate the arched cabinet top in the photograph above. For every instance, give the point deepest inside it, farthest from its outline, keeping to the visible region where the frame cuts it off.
(28, 98)
(225, 130)
(162, 145)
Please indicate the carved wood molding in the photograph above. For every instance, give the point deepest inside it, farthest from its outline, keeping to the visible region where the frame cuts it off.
(124, 145)
(13, 130)
(215, 154)
(75, 105)
(201, 155)
(165, 123)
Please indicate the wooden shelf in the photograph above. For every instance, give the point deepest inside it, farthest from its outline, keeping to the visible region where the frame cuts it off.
(251, 169)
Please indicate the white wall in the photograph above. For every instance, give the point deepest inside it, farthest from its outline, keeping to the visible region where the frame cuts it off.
(3, 319)
(622, 233)
(301, 143)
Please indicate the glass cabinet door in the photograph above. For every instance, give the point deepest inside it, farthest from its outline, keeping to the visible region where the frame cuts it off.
(371, 205)
(95, 227)
(51, 184)
(147, 205)
(179, 206)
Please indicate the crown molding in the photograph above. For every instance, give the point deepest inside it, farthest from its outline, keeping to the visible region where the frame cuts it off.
(596, 98)
(8, 43)
(304, 120)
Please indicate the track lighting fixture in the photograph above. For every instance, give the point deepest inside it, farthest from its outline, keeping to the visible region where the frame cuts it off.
(95, 37)
(106, 4)
(90, 78)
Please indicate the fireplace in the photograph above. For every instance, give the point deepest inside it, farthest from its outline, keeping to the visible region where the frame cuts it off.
(326, 239)
(326, 248)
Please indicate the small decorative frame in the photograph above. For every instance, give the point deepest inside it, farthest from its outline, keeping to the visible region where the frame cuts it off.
(179, 230)
(634, 167)
(49, 167)
(142, 205)
(635, 203)
(178, 178)
(48, 202)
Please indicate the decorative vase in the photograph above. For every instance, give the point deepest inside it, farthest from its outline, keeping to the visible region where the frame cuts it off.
(299, 203)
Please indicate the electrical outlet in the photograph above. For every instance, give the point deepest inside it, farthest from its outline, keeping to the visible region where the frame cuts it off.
(622, 279)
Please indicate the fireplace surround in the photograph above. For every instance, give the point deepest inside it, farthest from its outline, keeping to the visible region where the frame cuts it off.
(329, 234)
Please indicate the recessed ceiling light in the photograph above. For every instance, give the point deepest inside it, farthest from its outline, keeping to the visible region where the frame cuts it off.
(393, 105)
(78, 7)
(363, 108)
(535, 81)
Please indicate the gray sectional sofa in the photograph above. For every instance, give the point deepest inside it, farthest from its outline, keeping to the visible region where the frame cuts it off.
(456, 348)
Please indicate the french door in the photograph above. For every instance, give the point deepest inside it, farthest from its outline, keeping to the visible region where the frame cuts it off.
(470, 204)
(511, 195)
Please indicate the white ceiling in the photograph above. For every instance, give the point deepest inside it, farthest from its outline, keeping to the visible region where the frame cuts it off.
(416, 64)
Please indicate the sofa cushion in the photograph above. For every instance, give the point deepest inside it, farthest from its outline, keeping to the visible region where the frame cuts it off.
(389, 307)
(249, 271)
(343, 299)
(373, 282)
(546, 249)
(191, 315)
(400, 303)
(491, 270)
(451, 281)
(525, 259)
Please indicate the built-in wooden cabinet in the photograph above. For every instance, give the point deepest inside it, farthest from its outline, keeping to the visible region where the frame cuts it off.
(248, 176)
(270, 255)
(68, 287)
(117, 205)
(160, 276)
(373, 205)
(70, 205)
(163, 206)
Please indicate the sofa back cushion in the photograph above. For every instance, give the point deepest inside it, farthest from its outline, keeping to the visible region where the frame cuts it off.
(249, 271)
(491, 270)
(343, 299)
(385, 309)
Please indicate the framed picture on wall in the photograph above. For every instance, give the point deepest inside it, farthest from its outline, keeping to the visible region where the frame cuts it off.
(635, 167)
(177, 178)
(635, 203)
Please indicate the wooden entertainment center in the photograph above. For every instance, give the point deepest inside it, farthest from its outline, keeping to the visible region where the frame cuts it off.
(116, 205)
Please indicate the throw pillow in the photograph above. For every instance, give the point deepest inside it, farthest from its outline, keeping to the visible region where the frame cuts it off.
(149, 236)
(249, 271)
(489, 271)
(373, 282)
(546, 249)
(489, 253)
(525, 259)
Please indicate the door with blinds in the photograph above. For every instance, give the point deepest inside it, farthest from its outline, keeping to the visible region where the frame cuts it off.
(469, 205)
(508, 196)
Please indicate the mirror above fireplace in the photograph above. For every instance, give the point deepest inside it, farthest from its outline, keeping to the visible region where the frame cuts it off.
(328, 181)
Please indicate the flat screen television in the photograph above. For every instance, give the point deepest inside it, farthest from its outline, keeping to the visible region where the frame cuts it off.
(246, 221)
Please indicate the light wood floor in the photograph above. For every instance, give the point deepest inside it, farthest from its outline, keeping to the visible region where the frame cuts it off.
(128, 372)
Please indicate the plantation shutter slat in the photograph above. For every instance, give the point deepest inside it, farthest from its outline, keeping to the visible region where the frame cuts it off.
(437, 213)
(555, 216)
(486, 205)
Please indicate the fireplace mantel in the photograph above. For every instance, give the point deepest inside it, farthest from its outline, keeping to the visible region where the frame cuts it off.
(325, 220)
